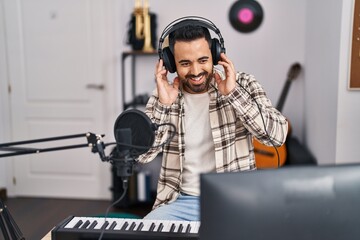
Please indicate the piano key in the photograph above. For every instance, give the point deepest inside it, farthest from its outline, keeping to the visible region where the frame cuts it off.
(78, 224)
(195, 227)
(141, 225)
(106, 223)
(181, 227)
(146, 226)
(173, 227)
(119, 224)
(112, 226)
(93, 224)
(72, 223)
(124, 226)
(86, 223)
(101, 222)
(152, 226)
(161, 226)
(188, 228)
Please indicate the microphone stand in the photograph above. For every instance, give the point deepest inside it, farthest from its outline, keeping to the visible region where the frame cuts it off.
(8, 226)
(14, 151)
(121, 157)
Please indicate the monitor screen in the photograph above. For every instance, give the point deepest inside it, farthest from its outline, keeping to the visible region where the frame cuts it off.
(307, 202)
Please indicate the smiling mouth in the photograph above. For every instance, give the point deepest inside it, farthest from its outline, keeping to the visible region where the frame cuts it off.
(197, 79)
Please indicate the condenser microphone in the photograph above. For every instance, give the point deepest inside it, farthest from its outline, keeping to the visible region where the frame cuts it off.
(134, 132)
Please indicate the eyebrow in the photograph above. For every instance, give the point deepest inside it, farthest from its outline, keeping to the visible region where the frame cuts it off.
(199, 59)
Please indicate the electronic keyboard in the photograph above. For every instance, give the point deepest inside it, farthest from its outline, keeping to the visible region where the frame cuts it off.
(74, 228)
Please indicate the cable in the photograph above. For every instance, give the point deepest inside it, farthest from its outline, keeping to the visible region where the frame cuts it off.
(125, 187)
(263, 121)
(148, 147)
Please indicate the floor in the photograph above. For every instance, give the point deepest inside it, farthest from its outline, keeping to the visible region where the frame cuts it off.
(35, 217)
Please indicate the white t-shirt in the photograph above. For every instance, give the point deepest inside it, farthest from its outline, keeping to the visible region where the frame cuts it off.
(199, 144)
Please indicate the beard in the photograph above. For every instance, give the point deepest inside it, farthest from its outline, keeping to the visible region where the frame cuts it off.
(192, 87)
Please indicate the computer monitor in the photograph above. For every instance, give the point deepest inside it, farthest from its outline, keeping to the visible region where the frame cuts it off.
(307, 203)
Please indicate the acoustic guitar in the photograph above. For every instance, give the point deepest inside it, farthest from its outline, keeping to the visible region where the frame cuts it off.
(273, 157)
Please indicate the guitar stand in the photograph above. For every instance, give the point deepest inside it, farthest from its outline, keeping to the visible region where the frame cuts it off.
(8, 226)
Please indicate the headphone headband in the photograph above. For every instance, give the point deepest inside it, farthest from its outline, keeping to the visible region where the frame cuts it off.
(180, 22)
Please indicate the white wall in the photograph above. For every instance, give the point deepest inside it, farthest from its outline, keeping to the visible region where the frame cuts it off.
(348, 115)
(332, 117)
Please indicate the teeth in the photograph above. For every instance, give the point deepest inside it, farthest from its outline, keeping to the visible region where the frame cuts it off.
(197, 78)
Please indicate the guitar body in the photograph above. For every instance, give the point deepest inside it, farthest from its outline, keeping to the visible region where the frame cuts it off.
(267, 157)
(274, 157)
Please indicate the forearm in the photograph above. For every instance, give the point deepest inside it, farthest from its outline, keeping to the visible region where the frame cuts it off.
(256, 112)
(157, 112)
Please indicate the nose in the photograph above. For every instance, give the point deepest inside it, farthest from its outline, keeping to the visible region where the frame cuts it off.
(196, 69)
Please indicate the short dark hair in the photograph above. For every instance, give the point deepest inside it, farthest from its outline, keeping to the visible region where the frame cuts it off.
(189, 33)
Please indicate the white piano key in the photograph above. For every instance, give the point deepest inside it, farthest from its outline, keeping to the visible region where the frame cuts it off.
(120, 222)
(147, 224)
(195, 227)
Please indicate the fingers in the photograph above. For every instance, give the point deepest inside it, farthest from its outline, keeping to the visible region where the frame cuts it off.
(160, 71)
(226, 62)
(176, 83)
(218, 78)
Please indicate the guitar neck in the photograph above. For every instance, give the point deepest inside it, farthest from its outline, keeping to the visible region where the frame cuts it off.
(283, 95)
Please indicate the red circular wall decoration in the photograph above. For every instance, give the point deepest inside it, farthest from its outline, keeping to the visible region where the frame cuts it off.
(246, 15)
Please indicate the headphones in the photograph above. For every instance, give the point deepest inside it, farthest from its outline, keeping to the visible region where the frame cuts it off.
(217, 45)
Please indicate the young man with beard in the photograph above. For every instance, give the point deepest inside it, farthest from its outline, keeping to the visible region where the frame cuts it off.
(216, 114)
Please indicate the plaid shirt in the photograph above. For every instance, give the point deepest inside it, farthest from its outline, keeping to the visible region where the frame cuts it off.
(235, 119)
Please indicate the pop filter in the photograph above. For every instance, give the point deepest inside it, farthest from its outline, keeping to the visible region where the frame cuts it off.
(137, 124)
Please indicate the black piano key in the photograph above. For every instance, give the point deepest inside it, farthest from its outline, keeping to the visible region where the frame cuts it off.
(132, 226)
(180, 228)
(172, 228)
(152, 226)
(93, 224)
(188, 228)
(112, 226)
(78, 224)
(141, 225)
(87, 222)
(124, 225)
(106, 223)
(161, 226)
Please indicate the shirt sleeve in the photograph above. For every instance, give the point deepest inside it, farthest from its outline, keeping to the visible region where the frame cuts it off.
(158, 114)
(256, 112)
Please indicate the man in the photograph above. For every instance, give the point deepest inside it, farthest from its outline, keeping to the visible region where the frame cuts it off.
(216, 114)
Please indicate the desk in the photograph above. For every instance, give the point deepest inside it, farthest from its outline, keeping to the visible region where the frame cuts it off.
(47, 236)
(133, 55)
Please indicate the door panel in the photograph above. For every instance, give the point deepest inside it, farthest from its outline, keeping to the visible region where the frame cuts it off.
(56, 50)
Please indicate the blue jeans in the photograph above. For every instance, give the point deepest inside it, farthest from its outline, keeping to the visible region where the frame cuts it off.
(185, 208)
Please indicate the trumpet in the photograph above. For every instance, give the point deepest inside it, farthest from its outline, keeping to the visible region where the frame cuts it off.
(143, 24)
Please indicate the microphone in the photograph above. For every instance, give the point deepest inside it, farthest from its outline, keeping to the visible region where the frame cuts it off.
(135, 134)
(140, 129)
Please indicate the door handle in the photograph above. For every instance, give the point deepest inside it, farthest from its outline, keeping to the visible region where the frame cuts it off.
(95, 86)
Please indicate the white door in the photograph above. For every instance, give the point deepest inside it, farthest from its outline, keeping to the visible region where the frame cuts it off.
(56, 65)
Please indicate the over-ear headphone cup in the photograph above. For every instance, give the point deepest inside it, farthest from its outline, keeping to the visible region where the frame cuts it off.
(169, 60)
(215, 50)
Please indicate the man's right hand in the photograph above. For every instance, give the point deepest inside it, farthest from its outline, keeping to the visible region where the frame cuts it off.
(167, 92)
